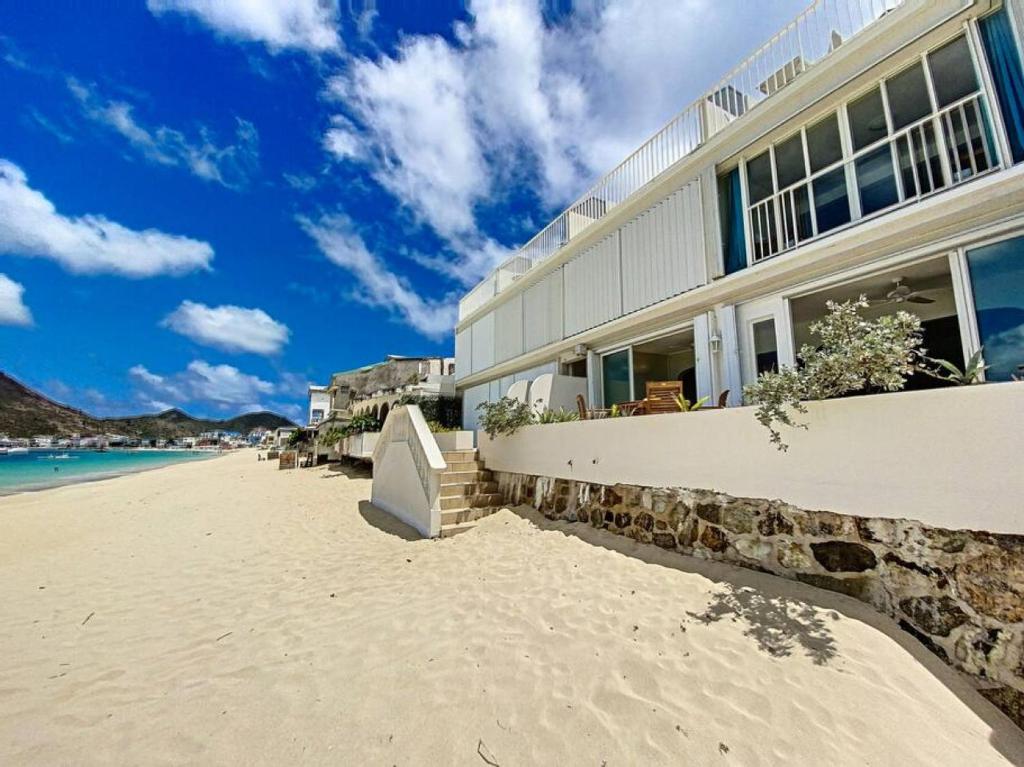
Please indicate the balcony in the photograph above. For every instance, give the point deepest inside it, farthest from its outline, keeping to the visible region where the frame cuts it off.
(805, 42)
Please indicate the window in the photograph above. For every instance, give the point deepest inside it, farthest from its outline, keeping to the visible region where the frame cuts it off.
(899, 143)
(867, 119)
(1004, 62)
(997, 281)
(759, 177)
(824, 147)
(615, 377)
(876, 180)
(952, 71)
(730, 206)
(908, 96)
(766, 347)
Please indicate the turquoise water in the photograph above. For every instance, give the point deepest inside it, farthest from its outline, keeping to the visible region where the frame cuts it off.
(38, 469)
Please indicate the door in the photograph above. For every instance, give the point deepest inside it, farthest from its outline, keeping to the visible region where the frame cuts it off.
(765, 338)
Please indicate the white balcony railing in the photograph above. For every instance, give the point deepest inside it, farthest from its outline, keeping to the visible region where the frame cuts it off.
(811, 37)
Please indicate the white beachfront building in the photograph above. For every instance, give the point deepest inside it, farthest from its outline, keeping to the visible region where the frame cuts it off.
(871, 147)
(319, 404)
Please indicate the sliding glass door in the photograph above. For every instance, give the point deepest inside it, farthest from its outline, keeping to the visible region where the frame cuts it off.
(997, 282)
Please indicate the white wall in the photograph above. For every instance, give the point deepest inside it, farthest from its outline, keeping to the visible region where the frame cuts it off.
(402, 494)
(947, 457)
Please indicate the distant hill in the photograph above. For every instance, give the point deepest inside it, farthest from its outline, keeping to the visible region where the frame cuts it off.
(24, 413)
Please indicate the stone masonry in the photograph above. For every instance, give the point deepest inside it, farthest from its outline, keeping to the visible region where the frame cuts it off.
(960, 592)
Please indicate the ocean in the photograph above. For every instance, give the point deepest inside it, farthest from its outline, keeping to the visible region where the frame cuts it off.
(38, 469)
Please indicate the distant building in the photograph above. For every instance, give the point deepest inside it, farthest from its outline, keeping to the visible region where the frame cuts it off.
(319, 403)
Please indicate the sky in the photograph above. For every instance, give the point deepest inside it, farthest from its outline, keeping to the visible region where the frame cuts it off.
(210, 204)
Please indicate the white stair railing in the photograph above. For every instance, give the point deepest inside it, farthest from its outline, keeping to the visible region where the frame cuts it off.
(407, 469)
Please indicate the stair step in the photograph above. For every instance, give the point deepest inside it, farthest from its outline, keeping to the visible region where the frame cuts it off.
(463, 516)
(462, 489)
(451, 456)
(463, 477)
(456, 466)
(471, 501)
(447, 531)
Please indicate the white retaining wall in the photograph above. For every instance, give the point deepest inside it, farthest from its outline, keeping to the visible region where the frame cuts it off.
(952, 458)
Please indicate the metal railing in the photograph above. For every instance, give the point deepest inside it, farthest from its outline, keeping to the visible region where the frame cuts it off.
(813, 35)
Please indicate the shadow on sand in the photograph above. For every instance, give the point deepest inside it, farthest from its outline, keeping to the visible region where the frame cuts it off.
(386, 523)
(348, 470)
(782, 615)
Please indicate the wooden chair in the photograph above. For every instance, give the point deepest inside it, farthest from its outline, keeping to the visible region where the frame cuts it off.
(588, 414)
(661, 397)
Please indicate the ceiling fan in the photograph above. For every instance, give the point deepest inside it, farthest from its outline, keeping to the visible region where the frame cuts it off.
(901, 293)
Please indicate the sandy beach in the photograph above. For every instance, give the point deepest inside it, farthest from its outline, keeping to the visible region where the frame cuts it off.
(224, 612)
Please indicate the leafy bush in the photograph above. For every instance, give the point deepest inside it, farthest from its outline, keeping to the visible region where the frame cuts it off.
(361, 423)
(440, 428)
(443, 410)
(506, 416)
(331, 437)
(558, 416)
(854, 355)
(947, 371)
(685, 406)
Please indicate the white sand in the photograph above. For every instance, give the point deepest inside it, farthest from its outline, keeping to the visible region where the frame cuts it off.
(242, 615)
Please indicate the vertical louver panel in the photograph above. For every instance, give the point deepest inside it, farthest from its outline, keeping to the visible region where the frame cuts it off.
(508, 329)
(483, 343)
(463, 353)
(592, 287)
(663, 250)
(542, 312)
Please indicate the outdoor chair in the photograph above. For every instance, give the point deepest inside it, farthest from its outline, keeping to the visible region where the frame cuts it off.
(661, 397)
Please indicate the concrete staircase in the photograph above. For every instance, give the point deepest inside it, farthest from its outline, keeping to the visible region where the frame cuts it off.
(468, 492)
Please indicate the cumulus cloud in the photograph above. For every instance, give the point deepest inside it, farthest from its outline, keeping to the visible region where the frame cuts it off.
(308, 25)
(12, 307)
(230, 328)
(223, 386)
(232, 165)
(518, 102)
(339, 241)
(30, 225)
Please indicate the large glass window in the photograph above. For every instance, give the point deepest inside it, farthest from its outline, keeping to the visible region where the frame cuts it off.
(867, 119)
(615, 377)
(759, 177)
(997, 280)
(789, 161)
(876, 181)
(908, 96)
(824, 146)
(952, 71)
(831, 203)
(766, 346)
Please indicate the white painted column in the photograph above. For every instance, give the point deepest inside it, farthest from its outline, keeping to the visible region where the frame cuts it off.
(702, 353)
(729, 356)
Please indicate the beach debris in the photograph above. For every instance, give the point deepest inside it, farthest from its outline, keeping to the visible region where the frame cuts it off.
(87, 617)
(223, 636)
(332, 595)
(722, 748)
(485, 753)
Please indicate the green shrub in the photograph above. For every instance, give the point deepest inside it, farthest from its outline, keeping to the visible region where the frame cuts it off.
(853, 355)
(504, 417)
(361, 423)
(558, 416)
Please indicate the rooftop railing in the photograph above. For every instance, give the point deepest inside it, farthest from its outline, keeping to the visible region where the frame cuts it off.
(812, 36)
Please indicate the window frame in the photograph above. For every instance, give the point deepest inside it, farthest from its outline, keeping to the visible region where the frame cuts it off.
(986, 115)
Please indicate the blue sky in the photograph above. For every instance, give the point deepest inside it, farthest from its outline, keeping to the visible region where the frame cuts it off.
(210, 203)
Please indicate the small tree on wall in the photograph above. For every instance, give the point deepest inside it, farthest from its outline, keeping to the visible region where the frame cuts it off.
(854, 355)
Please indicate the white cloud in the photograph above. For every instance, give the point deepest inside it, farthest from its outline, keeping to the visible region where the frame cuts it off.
(12, 307)
(232, 165)
(230, 328)
(200, 382)
(309, 25)
(31, 226)
(378, 286)
(515, 102)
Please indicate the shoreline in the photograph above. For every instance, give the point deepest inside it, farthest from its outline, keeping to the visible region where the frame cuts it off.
(81, 479)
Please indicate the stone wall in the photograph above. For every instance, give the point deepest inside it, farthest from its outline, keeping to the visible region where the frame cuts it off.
(960, 592)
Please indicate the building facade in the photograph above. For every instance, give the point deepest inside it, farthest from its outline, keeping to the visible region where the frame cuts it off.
(872, 148)
(319, 404)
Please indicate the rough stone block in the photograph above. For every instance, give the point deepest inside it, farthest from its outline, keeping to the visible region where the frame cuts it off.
(844, 557)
